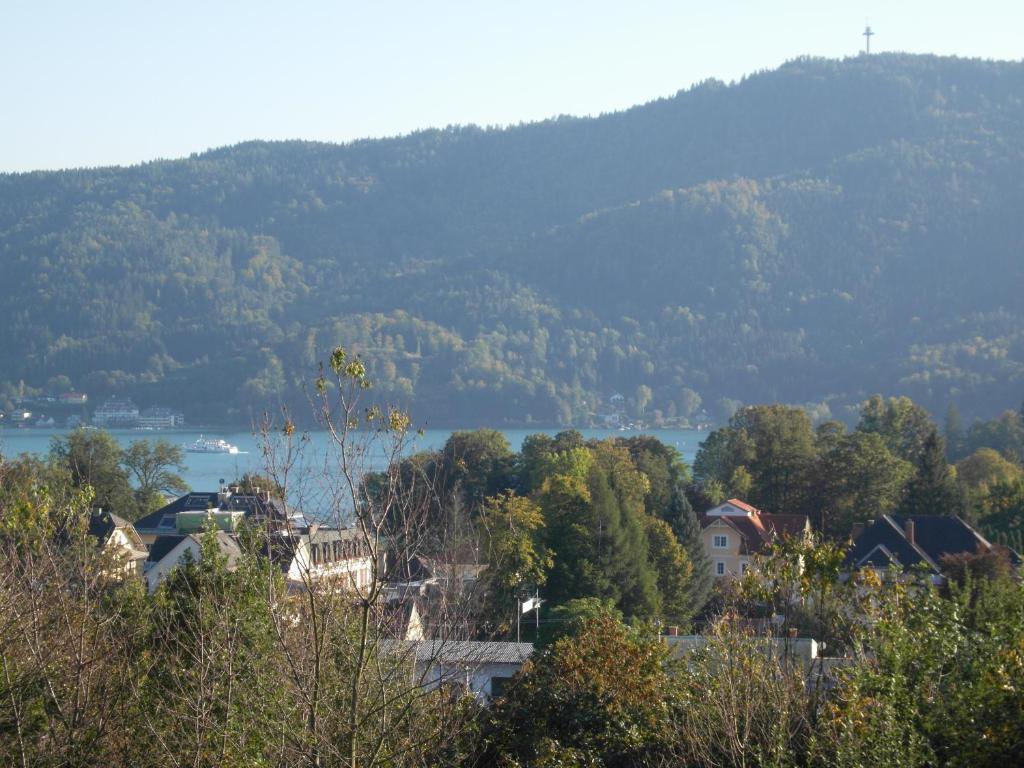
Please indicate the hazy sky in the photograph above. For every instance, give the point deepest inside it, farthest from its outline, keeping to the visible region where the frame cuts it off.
(99, 82)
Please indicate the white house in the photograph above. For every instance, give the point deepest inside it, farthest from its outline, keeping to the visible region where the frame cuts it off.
(318, 553)
(168, 552)
(480, 668)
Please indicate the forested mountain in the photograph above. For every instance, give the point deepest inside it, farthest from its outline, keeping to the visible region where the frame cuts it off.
(812, 234)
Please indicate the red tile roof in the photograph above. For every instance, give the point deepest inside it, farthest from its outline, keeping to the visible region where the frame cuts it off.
(761, 529)
(744, 506)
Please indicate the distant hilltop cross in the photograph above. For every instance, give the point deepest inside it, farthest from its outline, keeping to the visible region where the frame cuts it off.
(868, 34)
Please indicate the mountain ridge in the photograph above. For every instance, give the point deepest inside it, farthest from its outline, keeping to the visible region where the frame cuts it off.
(476, 248)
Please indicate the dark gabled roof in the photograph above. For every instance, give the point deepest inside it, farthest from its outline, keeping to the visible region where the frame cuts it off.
(159, 549)
(254, 507)
(885, 542)
(879, 557)
(257, 506)
(280, 550)
(189, 502)
(102, 524)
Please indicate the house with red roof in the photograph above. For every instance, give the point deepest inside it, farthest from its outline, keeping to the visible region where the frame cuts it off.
(735, 532)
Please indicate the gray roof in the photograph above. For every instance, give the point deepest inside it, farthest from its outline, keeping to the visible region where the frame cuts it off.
(472, 651)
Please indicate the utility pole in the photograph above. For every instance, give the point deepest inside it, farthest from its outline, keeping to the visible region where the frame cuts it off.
(868, 34)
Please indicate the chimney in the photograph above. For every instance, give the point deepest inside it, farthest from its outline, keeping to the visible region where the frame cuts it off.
(858, 529)
(908, 530)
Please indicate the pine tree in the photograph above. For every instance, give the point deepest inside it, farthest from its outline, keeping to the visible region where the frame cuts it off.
(933, 490)
(954, 433)
(619, 550)
(687, 528)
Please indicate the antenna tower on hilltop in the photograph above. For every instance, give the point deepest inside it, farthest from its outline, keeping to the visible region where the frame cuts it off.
(868, 34)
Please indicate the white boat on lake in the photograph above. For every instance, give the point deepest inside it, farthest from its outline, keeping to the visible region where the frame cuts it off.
(211, 445)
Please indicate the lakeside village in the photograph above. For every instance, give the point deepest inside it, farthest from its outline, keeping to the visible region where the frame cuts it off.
(579, 596)
(415, 598)
(70, 410)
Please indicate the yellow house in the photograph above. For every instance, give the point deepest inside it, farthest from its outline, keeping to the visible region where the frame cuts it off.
(734, 531)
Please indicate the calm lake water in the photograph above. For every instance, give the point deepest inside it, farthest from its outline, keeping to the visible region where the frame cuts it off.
(204, 470)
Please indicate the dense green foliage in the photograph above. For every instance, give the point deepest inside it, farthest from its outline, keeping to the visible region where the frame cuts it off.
(129, 482)
(221, 666)
(772, 457)
(927, 678)
(811, 234)
(603, 520)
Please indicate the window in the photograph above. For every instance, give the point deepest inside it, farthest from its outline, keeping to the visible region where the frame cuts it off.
(168, 521)
(315, 552)
(720, 568)
(721, 541)
(499, 684)
(744, 567)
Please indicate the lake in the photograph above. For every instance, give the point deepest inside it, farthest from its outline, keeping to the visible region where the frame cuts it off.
(204, 470)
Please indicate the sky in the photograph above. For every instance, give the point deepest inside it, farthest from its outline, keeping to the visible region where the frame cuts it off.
(111, 82)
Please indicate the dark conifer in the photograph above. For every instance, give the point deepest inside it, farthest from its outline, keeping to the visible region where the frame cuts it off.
(933, 490)
(687, 529)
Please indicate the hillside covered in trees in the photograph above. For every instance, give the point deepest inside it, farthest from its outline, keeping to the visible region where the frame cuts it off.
(809, 235)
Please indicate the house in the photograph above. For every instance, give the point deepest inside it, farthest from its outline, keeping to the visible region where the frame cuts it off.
(255, 507)
(305, 552)
(316, 553)
(914, 541)
(116, 412)
(165, 520)
(480, 668)
(74, 398)
(118, 539)
(168, 552)
(734, 532)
